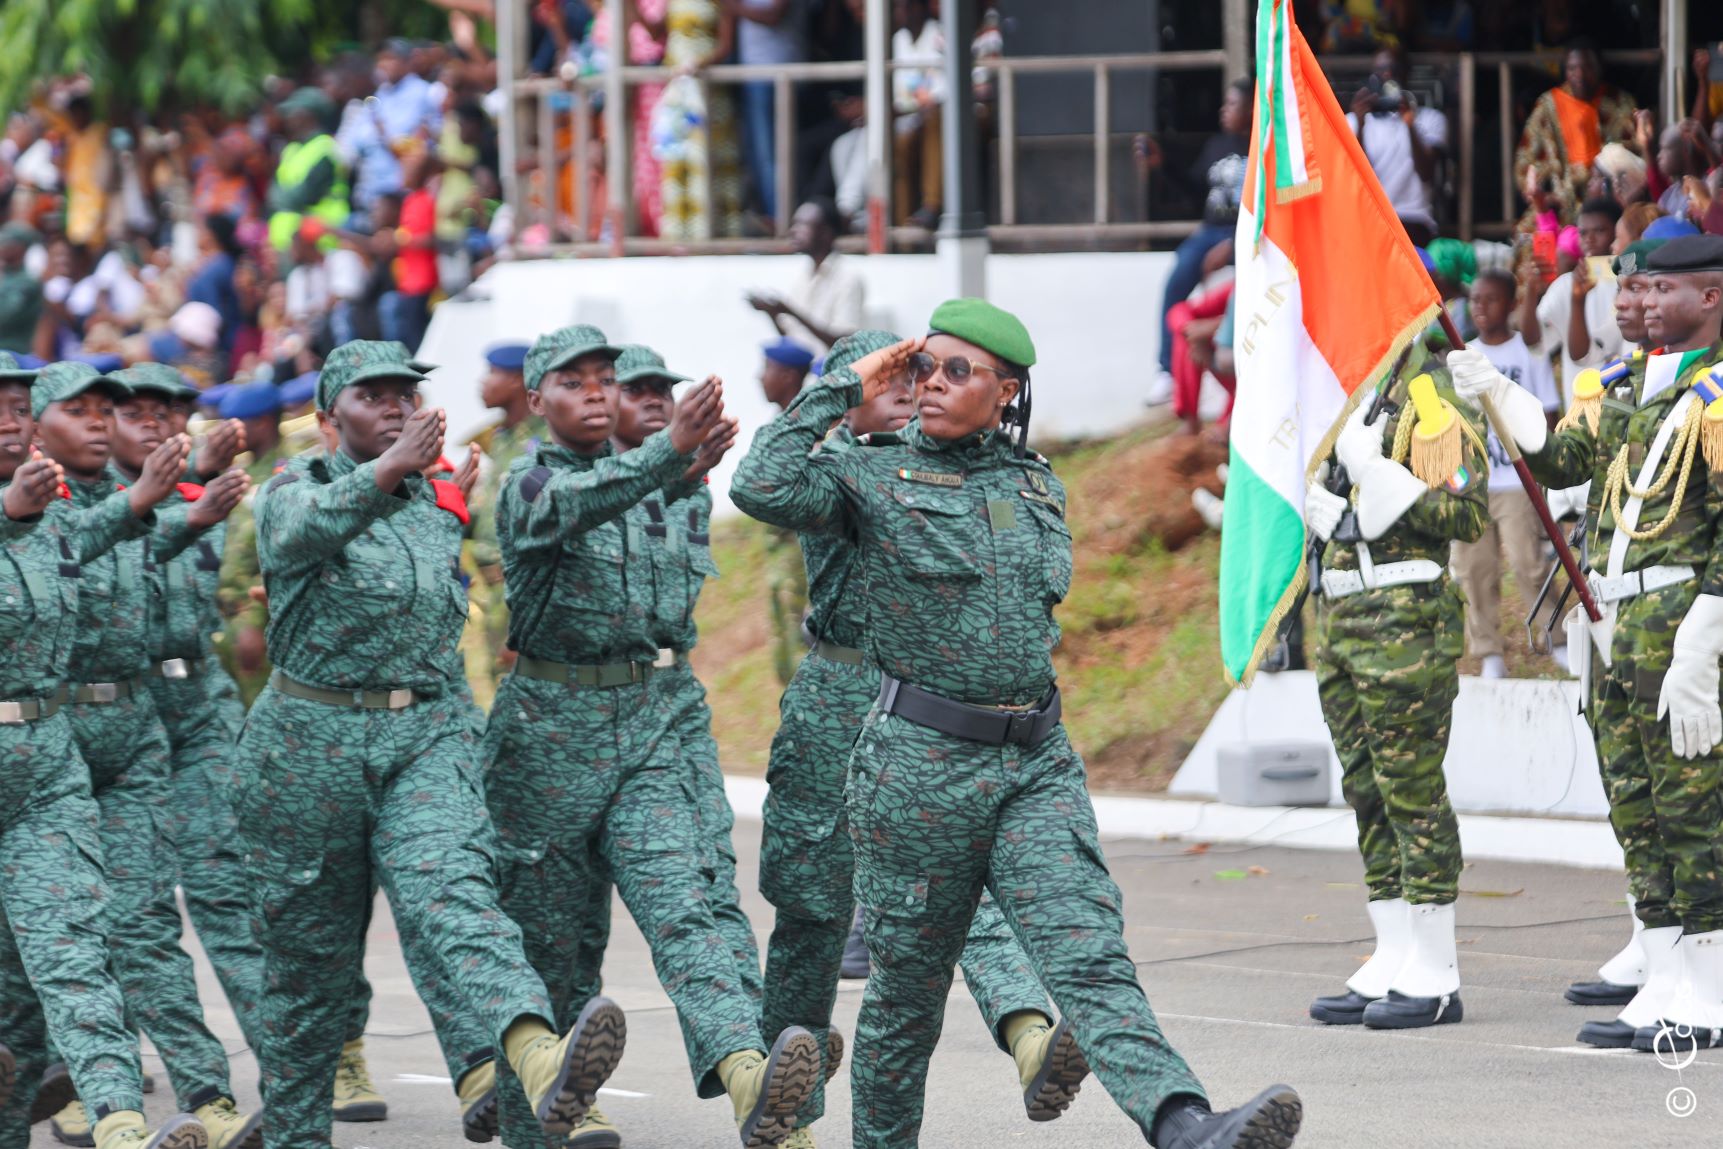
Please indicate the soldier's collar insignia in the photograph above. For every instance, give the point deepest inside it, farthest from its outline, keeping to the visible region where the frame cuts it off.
(933, 478)
(1036, 481)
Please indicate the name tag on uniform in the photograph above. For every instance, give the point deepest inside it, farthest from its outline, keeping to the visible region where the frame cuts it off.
(933, 478)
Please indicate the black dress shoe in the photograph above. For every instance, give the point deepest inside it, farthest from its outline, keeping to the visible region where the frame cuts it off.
(1270, 1120)
(1398, 1011)
(1672, 1039)
(1600, 993)
(1340, 1009)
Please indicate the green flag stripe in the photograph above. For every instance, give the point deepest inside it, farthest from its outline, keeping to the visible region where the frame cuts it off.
(1261, 549)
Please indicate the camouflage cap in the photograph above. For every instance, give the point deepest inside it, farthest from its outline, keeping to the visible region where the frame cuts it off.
(363, 359)
(61, 381)
(846, 351)
(563, 346)
(988, 327)
(157, 379)
(11, 372)
(637, 362)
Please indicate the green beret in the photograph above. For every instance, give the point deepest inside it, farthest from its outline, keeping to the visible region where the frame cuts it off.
(988, 327)
(846, 351)
(1633, 258)
(60, 381)
(563, 346)
(1688, 254)
(157, 379)
(637, 362)
(360, 360)
(10, 372)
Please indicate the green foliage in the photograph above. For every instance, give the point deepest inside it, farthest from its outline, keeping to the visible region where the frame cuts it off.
(145, 56)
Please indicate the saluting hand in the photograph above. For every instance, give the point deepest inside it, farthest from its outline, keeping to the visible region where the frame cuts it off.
(219, 498)
(880, 370)
(467, 474)
(419, 446)
(696, 416)
(160, 472)
(225, 440)
(34, 485)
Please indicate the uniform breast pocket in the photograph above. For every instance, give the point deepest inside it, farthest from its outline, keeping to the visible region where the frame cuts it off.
(17, 611)
(591, 568)
(937, 536)
(1054, 540)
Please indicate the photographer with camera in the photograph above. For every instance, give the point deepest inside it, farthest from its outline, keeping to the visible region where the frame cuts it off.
(1401, 140)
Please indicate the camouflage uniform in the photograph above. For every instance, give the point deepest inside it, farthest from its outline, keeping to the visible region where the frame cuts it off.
(962, 553)
(678, 539)
(807, 864)
(125, 745)
(1665, 809)
(584, 769)
(239, 571)
(502, 446)
(1386, 669)
(58, 908)
(364, 597)
(199, 706)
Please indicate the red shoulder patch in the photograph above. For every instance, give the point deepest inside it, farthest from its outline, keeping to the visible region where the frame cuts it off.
(450, 499)
(190, 492)
(64, 492)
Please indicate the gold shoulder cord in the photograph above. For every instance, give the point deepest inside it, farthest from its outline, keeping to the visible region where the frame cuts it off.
(1403, 437)
(1686, 446)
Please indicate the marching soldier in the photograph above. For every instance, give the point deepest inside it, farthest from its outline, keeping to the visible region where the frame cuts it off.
(582, 766)
(54, 974)
(361, 763)
(107, 439)
(1652, 446)
(807, 864)
(519, 433)
(962, 778)
(1391, 623)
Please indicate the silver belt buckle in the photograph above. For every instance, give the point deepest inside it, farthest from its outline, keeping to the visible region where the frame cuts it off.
(103, 691)
(400, 699)
(11, 713)
(665, 660)
(175, 668)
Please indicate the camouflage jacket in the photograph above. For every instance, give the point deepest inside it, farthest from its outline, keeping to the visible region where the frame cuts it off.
(239, 569)
(963, 546)
(580, 590)
(1457, 511)
(115, 595)
(41, 569)
(678, 537)
(364, 584)
(1577, 454)
(502, 445)
(830, 562)
(184, 615)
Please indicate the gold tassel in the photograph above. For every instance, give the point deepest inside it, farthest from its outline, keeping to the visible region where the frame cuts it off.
(1436, 443)
(1587, 401)
(1711, 435)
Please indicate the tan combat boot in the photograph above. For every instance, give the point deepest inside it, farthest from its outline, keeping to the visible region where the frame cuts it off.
(126, 1130)
(595, 1132)
(228, 1128)
(767, 1089)
(561, 1077)
(71, 1126)
(356, 1099)
(1050, 1067)
(477, 1091)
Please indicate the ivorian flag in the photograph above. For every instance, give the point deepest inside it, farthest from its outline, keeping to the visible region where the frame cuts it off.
(1329, 291)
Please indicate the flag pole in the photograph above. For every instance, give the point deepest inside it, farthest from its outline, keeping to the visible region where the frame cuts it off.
(1563, 552)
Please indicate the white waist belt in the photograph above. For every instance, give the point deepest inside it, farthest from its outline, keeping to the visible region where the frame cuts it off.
(1339, 584)
(1606, 589)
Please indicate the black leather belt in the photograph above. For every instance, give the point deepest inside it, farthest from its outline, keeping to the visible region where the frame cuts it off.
(986, 724)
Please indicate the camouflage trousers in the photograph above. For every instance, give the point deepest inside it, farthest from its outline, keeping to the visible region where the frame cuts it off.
(934, 821)
(587, 783)
(807, 869)
(691, 723)
(202, 716)
(1386, 670)
(331, 800)
(1667, 812)
(57, 910)
(126, 749)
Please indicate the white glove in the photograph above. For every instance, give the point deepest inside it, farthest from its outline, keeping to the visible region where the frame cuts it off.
(1359, 442)
(1475, 378)
(1322, 507)
(1689, 694)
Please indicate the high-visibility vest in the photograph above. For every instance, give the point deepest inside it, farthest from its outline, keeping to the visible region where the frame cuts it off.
(297, 161)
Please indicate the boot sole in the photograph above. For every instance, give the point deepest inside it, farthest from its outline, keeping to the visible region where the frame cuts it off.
(54, 1094)
(1056, 1086)
(600, 1033)
(1279, 1114)
(480, 1122)
(181, 1132)
(834, 1052)
(598, 1139)
(791, 1068)
(84, 1140)
(362, 1112)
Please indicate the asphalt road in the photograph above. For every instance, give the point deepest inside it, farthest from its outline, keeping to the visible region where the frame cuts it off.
(1232, 944)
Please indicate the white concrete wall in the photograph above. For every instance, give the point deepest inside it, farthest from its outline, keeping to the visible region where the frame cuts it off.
(1094, 318)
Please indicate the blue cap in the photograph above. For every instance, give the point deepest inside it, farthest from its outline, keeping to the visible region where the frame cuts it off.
(250, 400)
(789, 353)
(105, 364)
(508, 356)
(212, 396)
(298, 391)
(1669, 227)
(30, 362)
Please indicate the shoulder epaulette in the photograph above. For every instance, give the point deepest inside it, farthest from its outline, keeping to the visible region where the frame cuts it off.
(533, 482)
(190, 492)
(1614, 372)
